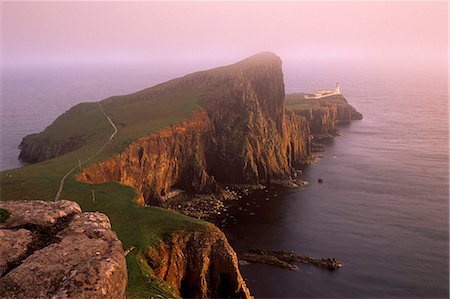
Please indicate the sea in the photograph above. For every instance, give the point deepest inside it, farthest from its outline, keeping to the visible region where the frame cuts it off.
(382, 210)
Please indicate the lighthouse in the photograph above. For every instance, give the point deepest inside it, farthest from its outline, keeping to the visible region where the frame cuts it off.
(338, 89)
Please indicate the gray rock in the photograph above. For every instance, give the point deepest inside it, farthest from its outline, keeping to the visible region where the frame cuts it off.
(79, 257)
(37, 212)
(13, 245)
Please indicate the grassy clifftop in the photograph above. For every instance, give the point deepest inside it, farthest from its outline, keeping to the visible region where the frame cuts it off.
(298, 101)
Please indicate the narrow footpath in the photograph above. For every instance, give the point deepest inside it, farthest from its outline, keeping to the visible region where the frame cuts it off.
(61, 184)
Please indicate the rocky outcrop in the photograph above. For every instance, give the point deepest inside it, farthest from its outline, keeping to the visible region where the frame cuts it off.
(34, 150)
(346, 113)
(299, 148)
(326, 114)
(243, 135)
(51, 142)
(322, 121)
(198, 264)
(53, 250)
(285, 259)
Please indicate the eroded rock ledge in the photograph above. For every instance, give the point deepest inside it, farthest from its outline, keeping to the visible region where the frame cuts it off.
(53, 250)
(198, 264)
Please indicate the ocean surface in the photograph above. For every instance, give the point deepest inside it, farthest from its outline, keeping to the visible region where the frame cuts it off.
(383, 207)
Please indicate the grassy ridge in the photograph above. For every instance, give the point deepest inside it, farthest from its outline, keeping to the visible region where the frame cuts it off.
(141, 227)
(298, 101)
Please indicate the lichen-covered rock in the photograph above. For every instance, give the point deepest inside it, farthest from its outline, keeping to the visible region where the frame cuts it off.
(37, 212)
(66, 254)
(198, 264)
(14, 244)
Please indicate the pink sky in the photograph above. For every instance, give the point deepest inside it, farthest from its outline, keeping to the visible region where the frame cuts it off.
(315, 32)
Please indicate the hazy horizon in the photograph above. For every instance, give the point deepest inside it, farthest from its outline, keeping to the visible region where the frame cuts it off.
(320, 34)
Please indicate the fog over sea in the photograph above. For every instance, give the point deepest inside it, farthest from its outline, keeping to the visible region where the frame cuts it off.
(382, 209)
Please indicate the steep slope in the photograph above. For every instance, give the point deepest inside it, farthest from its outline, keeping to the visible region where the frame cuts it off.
(242, 135)
(200, 264)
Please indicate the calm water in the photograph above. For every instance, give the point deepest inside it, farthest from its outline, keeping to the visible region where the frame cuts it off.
(382, 211)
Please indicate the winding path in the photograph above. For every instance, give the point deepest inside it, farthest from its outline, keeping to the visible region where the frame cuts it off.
(61, 184)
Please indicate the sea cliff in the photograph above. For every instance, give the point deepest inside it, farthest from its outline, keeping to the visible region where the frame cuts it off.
(199, 264)
(243, 135)
(323, 115)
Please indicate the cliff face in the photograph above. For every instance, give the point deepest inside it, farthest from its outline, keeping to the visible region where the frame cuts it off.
(299, 149)
(242, 136)
(322, 121)
(33, 151)
(52, 250)
(175, 156)
(56, 140)
(325, 114)
(346, 113)
(253, 139)
(199, 264)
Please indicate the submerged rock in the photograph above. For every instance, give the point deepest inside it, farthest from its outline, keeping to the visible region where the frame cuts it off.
(285, 259)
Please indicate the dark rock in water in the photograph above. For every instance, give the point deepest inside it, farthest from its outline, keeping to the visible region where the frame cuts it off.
(317, 147)
(268, 259)
(53, 250)
(285, 259)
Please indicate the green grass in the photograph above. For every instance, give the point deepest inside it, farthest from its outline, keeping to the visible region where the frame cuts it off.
(4, 215)
(298, 102)
(141, 227)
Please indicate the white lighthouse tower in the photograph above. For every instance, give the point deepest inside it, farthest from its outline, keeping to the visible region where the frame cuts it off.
(338, 89)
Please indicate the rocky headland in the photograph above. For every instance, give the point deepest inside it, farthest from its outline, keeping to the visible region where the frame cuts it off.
(243, 135)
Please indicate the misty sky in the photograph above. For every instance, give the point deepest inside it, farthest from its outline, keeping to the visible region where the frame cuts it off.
(368, 33)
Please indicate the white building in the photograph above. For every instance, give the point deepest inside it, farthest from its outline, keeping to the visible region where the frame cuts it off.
(325, 93)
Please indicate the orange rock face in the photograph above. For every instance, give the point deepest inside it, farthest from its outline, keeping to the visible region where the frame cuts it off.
(175, 156)
(199, 264)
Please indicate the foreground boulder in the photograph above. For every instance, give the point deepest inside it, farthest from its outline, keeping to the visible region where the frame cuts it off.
(53, 250)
